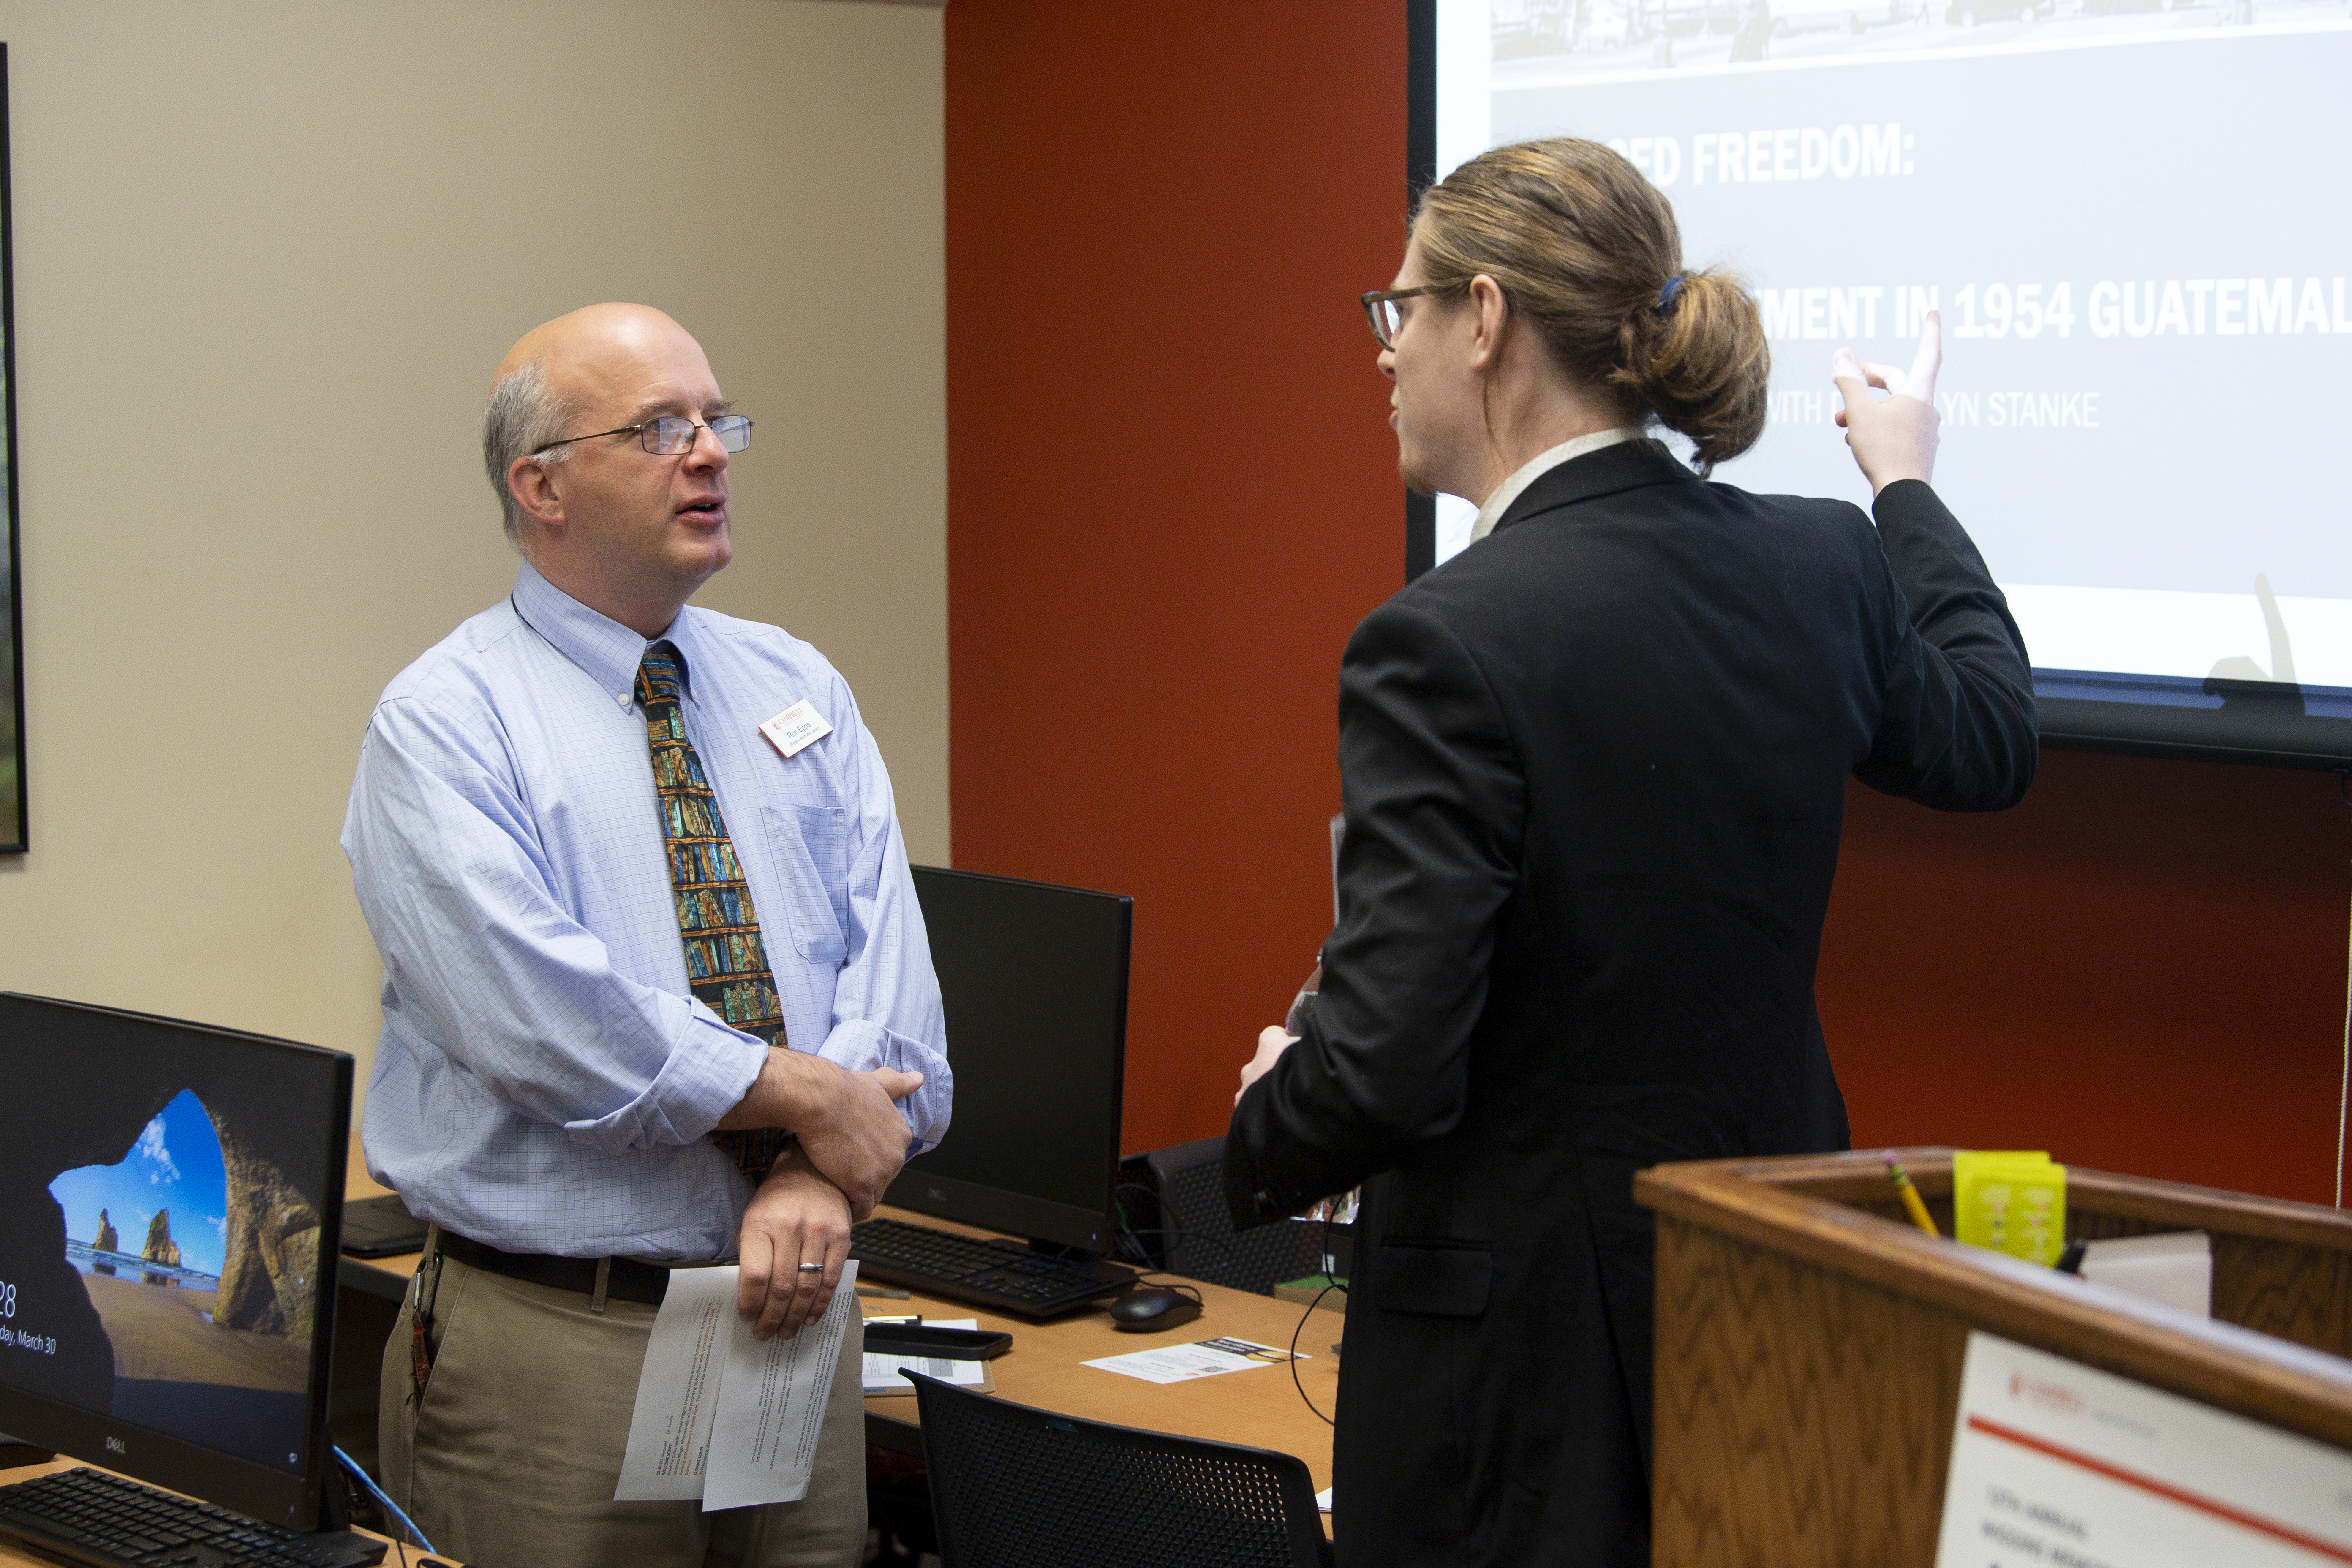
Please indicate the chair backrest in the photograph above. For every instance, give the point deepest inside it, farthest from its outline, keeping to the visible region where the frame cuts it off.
(1017, 1488)
(1202, 1241)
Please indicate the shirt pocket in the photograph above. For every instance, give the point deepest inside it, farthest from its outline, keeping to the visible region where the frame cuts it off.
(812, 851)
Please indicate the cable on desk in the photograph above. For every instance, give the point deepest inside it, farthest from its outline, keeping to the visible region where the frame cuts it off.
(1175, 1282)
(1326, 1290)
(1336, 1284)
(383, 1497)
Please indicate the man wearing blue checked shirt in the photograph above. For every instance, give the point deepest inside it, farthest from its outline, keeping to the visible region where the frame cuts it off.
(656, 988)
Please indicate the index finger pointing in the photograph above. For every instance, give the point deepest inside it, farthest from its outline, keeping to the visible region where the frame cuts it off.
(1929, 359)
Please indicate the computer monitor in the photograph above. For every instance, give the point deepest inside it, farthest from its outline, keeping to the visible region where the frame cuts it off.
(170, 1199)
(1033, 979)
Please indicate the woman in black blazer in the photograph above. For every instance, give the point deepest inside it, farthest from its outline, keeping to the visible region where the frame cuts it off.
(1593, 769)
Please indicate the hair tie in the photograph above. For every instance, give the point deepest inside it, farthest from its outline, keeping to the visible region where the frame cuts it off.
(1673, 286)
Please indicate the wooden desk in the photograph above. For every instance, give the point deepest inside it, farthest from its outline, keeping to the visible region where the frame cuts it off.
(1044, 1367)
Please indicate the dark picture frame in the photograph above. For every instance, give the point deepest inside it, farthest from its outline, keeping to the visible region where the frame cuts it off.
(15, 819)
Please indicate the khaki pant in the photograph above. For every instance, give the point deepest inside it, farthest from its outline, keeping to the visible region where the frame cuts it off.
(511, 1459)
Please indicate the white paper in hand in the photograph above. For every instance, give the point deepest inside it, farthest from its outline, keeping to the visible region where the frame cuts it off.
(677, 1388)
(771, 1408)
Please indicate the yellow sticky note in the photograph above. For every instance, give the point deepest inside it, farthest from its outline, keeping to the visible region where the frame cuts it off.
(2012, 1201)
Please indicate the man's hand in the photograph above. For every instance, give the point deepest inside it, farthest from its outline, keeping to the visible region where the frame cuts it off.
(860, 1139)
(1894, 440)
(796, 1218)
(1272, 1041)
(849, 1123)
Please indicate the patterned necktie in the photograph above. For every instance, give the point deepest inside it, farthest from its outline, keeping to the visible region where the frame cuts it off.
(725, 962)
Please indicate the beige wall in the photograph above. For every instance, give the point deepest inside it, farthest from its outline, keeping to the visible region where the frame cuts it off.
(266, 258)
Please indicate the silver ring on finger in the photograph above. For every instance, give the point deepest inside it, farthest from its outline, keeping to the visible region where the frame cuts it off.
(812, 1268)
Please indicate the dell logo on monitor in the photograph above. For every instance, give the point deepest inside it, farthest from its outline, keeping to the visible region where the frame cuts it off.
(938, 1194)
(117, 1445)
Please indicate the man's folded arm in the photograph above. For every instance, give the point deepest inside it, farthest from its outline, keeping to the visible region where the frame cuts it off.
(495, 973)
(886, 999)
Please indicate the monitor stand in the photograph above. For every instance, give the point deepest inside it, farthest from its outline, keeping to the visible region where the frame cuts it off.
(15, 1455)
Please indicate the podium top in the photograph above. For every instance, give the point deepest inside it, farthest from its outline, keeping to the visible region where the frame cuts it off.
(2276, 1349)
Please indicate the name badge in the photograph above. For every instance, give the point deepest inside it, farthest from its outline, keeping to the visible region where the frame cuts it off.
(796, 728)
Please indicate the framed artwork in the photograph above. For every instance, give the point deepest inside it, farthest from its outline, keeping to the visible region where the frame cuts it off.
(12, 815)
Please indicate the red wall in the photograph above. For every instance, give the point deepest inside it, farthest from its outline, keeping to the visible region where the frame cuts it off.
(1171, 494)
(2141, 968)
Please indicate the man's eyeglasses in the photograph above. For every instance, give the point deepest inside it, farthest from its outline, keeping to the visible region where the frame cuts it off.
(672, 437)
(1380, 309)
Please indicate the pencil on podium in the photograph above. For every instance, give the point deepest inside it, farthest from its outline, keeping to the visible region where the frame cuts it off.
(1912, 1201)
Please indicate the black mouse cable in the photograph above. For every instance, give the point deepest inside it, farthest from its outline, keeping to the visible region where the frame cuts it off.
(1301, 1329)
(1175, 1284)
(1332, 1282)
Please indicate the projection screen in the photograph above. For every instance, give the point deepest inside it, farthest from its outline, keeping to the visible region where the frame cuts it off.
(2131, 217)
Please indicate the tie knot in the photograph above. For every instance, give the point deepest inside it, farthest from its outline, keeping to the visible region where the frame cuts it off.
(661, 675)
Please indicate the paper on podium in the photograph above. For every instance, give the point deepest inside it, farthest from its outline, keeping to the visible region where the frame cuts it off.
(2174, 1267)
(2058, 1463)
(720, 1416)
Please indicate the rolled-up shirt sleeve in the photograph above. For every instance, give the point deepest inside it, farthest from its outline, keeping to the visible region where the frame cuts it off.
(886, 1002)
(482, 954)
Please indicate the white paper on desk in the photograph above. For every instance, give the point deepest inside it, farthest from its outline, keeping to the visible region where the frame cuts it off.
(882, 1372)
(677, 1387)
(771, 1403)
(1205, 1358)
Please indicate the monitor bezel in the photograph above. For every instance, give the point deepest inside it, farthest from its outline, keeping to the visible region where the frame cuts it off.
(292, 1500)
(2271, 732)
(1035, 1219)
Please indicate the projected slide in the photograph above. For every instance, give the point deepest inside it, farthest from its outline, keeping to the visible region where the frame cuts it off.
(2132, 220)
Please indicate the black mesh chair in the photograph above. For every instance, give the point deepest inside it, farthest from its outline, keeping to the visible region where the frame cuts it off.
(1016, 1488)
(1202, 1243)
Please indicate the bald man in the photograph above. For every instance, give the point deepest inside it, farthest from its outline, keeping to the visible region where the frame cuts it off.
(657, 991)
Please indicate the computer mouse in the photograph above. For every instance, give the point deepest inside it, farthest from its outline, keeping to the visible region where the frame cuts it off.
(1148, 1308)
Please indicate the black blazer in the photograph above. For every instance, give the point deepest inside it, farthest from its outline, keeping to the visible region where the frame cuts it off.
(1594, 771)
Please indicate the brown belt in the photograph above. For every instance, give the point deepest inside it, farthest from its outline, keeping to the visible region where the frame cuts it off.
(630, 1280)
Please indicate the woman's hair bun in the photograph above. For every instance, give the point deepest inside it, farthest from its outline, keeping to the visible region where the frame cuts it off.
(1587, 249)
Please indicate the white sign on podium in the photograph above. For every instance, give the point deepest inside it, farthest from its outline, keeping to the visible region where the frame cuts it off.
(2057, 1466)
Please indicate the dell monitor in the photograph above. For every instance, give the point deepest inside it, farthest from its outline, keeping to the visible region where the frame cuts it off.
(170, 1199)
(1034, 981)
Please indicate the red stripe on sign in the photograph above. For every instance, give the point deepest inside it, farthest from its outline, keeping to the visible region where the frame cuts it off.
(2293, 1537)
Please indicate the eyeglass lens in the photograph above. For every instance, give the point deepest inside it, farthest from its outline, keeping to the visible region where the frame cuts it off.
(671, 436)
(1386, 319)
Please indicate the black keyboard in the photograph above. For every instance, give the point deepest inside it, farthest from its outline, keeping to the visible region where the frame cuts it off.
(1003, 1276)
(93, 1517)
(381, 1228)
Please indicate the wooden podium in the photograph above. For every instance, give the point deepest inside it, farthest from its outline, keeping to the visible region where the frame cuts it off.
(1810, 1343)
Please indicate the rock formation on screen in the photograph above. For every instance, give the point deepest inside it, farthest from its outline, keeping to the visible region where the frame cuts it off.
(268, 1280)
(108, 1239)
(161, 1248)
